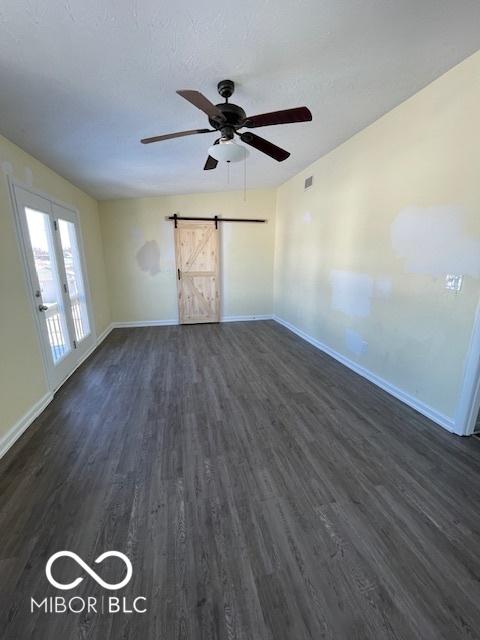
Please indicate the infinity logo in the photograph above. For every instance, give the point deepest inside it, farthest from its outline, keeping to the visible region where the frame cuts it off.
(85, 567)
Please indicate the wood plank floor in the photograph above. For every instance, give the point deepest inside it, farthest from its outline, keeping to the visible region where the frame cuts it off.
(260, 489)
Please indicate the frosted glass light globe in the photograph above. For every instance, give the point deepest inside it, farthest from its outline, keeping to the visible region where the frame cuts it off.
(227, 151)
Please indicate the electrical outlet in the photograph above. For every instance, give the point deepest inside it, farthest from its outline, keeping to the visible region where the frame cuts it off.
(453, 282)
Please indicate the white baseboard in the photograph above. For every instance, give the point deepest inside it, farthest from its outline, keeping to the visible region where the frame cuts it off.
(144, 323)
(26, 420)
(98, 341)
(103, 335)
(434, 415)
(245, 318)
(167, 323)
(22, 425)
(444, 421)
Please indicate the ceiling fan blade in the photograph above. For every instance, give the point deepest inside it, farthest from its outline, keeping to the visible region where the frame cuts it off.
(299, 114)
(179, 134)
(201, 102)
(264, 146)
(211, 163)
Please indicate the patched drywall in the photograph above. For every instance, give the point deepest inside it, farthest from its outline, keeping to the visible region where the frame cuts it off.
(148, 257)
(140, 253)
(382, 287)
(435, 241)
(354, 342)
(367, 261)
(351, 293)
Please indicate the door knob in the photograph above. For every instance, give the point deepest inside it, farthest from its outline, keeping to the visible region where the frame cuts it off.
(42, 307)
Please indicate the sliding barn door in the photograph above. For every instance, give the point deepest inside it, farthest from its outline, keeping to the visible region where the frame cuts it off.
(196, 247)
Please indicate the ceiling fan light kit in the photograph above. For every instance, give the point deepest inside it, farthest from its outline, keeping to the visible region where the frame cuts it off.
(227, 151)
(227, 119)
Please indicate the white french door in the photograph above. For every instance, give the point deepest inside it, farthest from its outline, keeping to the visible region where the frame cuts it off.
(51, 248)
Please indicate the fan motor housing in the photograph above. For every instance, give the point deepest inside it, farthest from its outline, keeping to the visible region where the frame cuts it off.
(233, 114)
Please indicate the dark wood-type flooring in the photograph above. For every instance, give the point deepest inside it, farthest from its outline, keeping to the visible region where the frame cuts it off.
(260, 489)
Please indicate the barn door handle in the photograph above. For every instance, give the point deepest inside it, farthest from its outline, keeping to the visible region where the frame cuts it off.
(178, 274)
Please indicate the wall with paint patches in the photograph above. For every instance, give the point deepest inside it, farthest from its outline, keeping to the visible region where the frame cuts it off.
(22, 376)
(140, 254)
(363, 257)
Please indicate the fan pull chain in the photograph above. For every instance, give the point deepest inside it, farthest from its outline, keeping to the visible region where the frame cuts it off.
(245, 178)
(228, 172)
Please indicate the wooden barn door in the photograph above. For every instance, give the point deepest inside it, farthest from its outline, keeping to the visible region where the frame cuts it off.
(196, 248)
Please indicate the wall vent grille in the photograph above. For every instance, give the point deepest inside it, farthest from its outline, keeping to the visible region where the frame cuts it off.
(308, 183)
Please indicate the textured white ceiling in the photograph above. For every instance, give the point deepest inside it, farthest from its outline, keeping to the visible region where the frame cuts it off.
(81, 81)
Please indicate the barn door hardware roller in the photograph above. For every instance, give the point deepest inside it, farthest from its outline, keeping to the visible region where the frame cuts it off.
(215, 219)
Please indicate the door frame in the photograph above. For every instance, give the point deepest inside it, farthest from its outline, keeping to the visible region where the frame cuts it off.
(29, 285)
(469, 402)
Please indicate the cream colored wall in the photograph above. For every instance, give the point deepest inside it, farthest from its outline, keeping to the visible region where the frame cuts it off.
(136, 235)
(361, 258)
(22, 379)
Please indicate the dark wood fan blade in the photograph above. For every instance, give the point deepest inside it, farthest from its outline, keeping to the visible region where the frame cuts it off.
(264, 146)
(179, 134)
(299, 114)
(211, 163)
(201, 102)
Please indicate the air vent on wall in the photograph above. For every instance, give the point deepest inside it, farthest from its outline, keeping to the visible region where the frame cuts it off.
(308, 183)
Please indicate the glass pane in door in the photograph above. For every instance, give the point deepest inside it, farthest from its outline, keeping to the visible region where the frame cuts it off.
(73, 270)
(50, 295)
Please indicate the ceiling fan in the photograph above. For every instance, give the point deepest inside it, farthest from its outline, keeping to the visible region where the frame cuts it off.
(227, 118)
